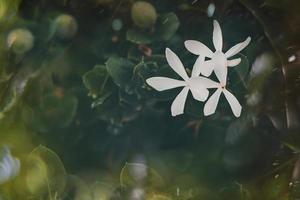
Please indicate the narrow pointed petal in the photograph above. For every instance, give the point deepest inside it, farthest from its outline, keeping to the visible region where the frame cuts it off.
(198, 48)
(237, 48)
(203, 82)
(164, 83)
(233, 102)
(217, 36)
(199, 93)
(233, 62)
(207, 68)
(211, 104)
(176, 64)
(221, 73)
(178, 104)
(197, 66)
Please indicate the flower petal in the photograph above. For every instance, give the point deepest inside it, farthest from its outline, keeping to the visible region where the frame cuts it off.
(233, 62)
(233, 102)
(221, 73)
(199, 93)
(176, 64)
(164, 83)
(197, 66)
(217, 36)
(203, 82)
(207, 68)
(177, 107)
(212, 102)
(198, 48)
(237, 48)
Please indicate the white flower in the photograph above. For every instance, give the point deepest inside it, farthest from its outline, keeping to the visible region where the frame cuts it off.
(211, 104)
(9, 166)
(219, 60)
(197, 85)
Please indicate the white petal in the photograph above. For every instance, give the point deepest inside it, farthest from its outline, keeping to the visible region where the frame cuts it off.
(199, 93)
(198, 48)
(164, 83)
(176, 64)
(234, 103)
(212, 102)
(233, 62)
(221, 73)
(177, 107)
(217, 36)
(207, 68)
(237, 48)
(197, 66)
(203, 82)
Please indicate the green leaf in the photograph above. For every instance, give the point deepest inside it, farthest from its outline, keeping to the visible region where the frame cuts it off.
(134, 174)
(261, 70)
(199, 193)
(77, 188)
(165, 29)
(138, 36)
(158, 196)
(45, 173)
(53, 111)
(102, 190)
(95, 79)
(167, 26)
(101, 100)
(58, 111)
(120, 69)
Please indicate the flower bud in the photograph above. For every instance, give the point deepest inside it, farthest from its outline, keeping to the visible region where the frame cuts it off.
(143, 14)
(65, 26)
(20, 40)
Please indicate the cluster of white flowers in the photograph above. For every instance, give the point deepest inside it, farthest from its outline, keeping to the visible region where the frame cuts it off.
(217, 62)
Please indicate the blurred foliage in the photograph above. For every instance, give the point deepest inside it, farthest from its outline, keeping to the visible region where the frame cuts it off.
(77, 112)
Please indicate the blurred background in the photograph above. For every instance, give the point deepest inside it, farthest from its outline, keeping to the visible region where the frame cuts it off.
(78, 121)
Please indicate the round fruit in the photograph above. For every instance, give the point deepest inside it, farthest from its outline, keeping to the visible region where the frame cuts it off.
(143, 14)
(20, 40)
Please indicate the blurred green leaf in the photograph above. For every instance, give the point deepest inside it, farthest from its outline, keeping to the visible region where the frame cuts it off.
(95, 79)
(45, 173)
(120, 69)
(138, 174)
(138, 36)
(59, 111)
(167, 26)
(165, 29)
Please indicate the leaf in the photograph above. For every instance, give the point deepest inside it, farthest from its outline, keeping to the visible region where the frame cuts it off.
(102, 190)
(165, 29)
(138, 36)
(120, 69)
(261, 70)
(15, 88)
(77, 188)
(167, 26)
(199, 193)
(45, 173)
(58, 111)
(95, 79)
(158, 196)
(100, 100)
(135, 174)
